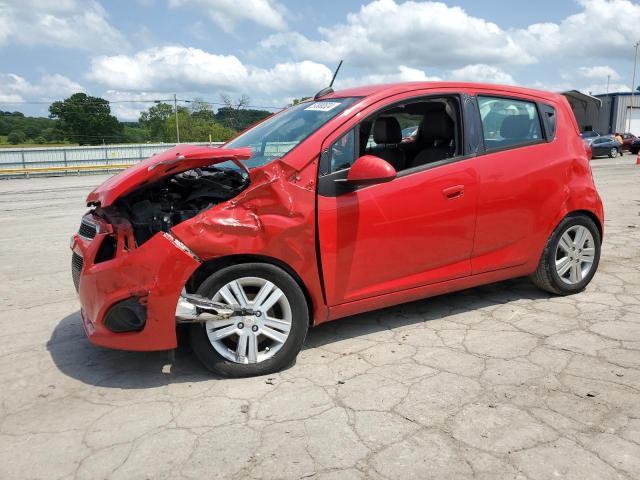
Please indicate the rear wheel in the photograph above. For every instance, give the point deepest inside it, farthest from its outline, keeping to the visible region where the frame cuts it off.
(265, 340)
(570, 258)
(613, 152)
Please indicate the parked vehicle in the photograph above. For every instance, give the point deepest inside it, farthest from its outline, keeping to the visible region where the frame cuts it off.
(605, 145)
(409, 134)
(627, 140)
(635, 146)
(589, 134)
(301, 220)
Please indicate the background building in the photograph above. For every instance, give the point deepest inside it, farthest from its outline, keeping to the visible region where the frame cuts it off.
(607, 113)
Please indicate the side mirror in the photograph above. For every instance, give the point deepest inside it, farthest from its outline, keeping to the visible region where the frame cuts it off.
(369, 169)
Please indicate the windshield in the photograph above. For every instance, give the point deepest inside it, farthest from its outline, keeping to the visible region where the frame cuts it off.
(278, 135)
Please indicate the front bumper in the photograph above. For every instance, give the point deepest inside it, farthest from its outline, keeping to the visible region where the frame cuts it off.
(154, 274)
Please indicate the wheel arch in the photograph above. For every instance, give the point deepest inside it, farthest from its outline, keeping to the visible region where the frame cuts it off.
(592, 216)
(210, 266)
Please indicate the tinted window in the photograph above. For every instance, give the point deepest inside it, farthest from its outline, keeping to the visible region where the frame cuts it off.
(342, 152)
(276, 136)
(589, 134)
(508, 123)
(549, 119)
(408, 124)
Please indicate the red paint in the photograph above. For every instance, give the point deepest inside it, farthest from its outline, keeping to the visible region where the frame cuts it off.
(477, 220)
(155, 272)
(370, 169)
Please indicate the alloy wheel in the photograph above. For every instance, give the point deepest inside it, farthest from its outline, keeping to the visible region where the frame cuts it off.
(575, 254)
(264, 328)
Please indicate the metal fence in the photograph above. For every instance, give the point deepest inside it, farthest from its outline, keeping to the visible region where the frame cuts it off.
(73, 160)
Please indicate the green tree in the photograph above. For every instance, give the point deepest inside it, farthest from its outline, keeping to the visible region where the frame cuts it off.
(220, 133)
(195, 129)
(296, 101)
(135, 134)
(52, 134)
(202, 110)
(154, 121)
(32, 129)
(16, 136)
(86, 120)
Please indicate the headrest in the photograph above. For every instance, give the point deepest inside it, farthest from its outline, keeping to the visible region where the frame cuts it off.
(436, 126)
(515, 126)
(387, 130)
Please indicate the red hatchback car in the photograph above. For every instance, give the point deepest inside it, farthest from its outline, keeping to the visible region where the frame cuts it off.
(321, 211)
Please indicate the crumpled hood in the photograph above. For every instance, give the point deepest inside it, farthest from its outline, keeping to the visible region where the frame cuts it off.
(175, 160)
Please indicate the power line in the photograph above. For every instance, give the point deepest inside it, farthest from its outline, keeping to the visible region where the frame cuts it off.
(162, 100)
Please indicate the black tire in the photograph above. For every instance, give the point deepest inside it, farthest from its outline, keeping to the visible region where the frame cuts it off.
(613, 152)
(546, 277)
(286, 356)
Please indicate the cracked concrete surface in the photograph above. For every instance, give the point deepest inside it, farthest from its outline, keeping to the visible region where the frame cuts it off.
(497, 382)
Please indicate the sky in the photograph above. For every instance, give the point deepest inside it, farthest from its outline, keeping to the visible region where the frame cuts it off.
(273, 51)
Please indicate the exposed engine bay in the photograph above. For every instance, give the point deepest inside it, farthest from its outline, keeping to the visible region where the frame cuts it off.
(159, 206)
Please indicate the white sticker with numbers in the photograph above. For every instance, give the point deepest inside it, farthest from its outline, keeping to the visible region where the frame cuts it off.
(322, 106)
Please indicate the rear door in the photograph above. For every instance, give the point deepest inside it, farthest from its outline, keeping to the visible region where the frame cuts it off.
(521, 176)
(413, 231)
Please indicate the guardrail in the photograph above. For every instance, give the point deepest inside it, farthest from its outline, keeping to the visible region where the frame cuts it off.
(49, 161)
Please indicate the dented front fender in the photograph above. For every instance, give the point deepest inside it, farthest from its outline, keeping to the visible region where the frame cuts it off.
(274, 217)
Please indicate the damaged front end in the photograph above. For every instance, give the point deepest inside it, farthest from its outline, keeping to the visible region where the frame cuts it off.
(128, 268)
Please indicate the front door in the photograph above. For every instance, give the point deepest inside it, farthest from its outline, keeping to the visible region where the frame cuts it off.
(412, 231)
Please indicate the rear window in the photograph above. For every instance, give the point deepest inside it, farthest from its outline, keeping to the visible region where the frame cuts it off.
(508, 122)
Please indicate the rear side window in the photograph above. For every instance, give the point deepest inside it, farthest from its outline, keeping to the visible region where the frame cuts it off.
(508, 122)
(549, 119)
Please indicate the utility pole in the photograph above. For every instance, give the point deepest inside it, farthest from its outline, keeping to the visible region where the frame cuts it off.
(633, 85)
(608, 78)
(175, 109)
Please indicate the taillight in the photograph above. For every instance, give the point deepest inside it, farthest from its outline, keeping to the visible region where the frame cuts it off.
(587, 149)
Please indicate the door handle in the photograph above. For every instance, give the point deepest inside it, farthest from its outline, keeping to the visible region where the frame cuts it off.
(451, 193)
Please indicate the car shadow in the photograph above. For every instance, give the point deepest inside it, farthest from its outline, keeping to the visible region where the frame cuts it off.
(74, 356)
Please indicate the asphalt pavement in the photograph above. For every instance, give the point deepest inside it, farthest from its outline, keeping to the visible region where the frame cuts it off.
(498, 382)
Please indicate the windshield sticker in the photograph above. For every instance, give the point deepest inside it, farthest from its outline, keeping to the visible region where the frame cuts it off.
(322, 106)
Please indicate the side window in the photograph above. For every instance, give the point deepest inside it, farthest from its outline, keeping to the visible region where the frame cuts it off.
(409, 124)
(508, 122)
(550, 120)
(340, 155)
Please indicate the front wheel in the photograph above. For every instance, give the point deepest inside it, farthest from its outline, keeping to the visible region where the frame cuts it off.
(570, 258)
(265, 340)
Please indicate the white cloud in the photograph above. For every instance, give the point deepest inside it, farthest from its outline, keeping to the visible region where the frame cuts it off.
(226, 13)
(174, 67)
(14, 88)
(482, 73)
(403, 74)
(603, 29)
(599, 72)
(184, 69)
(383, 34)
(59, 23)
(588, 79)
(128, 110)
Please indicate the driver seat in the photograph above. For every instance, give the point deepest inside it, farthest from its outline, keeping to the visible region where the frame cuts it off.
(436, 137)
(387, 135)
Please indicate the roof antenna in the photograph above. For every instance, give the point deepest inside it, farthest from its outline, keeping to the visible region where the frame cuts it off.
(328, 90)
